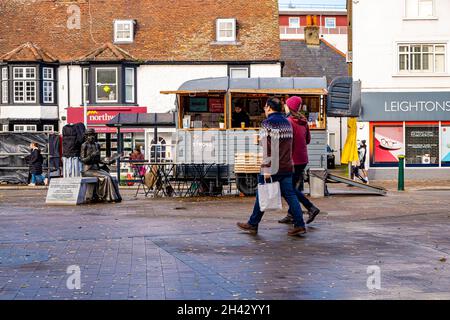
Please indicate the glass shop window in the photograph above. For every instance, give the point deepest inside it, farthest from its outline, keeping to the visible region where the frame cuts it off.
(422, 145)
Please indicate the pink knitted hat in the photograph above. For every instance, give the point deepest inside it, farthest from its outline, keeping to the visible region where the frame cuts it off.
(294, 103)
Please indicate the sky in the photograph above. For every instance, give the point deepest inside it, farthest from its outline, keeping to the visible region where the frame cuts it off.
(314, 2)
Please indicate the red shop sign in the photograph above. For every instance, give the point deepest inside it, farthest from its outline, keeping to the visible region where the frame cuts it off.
(98, 117)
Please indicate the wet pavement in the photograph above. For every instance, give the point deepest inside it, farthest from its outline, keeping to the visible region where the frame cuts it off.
(191, 249)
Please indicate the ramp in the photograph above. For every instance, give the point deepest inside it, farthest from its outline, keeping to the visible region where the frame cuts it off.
(368, 188)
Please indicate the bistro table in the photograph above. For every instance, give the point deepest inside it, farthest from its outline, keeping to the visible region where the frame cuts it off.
(156, 177)
(168, 179)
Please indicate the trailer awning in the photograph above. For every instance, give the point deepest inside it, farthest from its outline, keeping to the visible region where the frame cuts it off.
(290, 85)
(143, 120)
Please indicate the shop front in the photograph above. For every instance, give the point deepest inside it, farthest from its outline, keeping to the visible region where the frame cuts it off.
(413, 124)
(97, 117)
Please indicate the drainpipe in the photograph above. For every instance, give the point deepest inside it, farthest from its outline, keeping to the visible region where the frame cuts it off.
(68, 87)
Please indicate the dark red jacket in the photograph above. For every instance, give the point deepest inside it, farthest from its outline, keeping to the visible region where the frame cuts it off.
(302, 137)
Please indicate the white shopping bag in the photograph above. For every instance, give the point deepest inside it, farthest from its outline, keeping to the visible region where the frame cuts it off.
(269, 195)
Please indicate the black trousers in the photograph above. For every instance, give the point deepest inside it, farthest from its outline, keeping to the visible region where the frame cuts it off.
(299, 171)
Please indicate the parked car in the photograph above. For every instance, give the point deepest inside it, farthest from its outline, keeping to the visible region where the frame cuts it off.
(331, 161)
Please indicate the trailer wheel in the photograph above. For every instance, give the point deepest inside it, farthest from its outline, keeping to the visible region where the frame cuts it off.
(247, 183)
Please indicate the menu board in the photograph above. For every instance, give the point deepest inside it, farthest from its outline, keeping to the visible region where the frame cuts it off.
(216, 105)
(388, 144)
(422, 145)
(198, 105)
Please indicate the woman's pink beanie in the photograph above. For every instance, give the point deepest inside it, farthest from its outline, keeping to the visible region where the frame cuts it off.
(294, 103)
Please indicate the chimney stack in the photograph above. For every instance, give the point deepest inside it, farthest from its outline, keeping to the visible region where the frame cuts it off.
(312, 31)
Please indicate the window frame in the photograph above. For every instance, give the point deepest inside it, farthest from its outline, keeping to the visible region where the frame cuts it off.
(328, 19)
(133, 85)
(120, 40)
(90, 89)
(418, 9)
(233, 67)
(25, 81)
(233, 38)
(46, 127)
(116, 84)
(26, 127)
(411, 58)
(46, 80)
(292, 25)
(4, 85)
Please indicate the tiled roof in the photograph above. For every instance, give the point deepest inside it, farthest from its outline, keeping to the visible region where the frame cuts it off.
(28, 52)
(166, 30)
(302, 60)
(107, 52)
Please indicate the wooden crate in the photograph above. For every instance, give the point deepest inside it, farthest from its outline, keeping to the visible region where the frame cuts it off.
(247, 163)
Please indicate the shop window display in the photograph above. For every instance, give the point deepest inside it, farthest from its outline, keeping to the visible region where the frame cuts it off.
(388, 144)
(422, 145)
(445, 145)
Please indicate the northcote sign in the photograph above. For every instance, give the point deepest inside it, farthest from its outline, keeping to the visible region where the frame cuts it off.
(405, 106)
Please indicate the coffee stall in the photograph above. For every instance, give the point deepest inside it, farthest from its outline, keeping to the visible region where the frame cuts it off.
(206, 134)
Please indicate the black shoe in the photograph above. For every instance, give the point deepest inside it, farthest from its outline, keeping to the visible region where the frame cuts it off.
(312, 212)
(287, 220)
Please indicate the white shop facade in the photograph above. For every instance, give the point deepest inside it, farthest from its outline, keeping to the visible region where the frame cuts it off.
(413, 124)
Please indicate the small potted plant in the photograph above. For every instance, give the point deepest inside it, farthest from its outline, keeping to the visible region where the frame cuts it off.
(221, 122)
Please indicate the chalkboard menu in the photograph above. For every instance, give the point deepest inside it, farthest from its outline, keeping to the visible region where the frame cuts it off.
(422, 145)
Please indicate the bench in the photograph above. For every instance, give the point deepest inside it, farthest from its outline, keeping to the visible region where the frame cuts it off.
(71, 191)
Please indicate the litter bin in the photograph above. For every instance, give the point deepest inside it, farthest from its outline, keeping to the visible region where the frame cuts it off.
(317, 177)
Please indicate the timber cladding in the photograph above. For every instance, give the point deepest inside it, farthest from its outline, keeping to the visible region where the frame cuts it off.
(166, 30)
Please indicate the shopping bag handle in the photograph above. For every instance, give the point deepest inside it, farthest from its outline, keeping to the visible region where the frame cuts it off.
(265, 181)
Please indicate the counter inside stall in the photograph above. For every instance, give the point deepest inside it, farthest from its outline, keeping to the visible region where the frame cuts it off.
(244, 112)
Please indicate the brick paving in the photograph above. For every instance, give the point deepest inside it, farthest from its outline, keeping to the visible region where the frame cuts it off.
(191, 249)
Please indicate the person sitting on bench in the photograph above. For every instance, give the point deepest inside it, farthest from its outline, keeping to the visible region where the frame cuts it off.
(107, 189)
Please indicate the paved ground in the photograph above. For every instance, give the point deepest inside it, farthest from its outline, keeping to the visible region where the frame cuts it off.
(191, 249)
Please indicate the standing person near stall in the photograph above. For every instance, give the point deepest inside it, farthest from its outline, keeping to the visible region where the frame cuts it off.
(276, 133)
(35, 161)
(137, 156)
(301, 139)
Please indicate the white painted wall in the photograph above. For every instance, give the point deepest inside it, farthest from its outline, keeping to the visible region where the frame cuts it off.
(377, 28)
(265, 70)
(29, 112)
(152, 79)
(75, 90)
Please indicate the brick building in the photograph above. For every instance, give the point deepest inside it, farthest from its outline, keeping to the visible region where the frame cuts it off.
(331, 19)
(118, 58)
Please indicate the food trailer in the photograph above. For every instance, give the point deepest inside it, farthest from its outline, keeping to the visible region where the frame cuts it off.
(206, 132)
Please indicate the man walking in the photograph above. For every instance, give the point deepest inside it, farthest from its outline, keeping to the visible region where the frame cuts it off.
(301, 139)
(276, 135)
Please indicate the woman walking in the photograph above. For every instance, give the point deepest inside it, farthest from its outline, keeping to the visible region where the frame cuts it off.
(302, 137)
(35, 161)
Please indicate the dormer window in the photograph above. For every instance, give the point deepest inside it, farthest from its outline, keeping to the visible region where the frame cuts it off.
(226, 30)
(123, 31)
